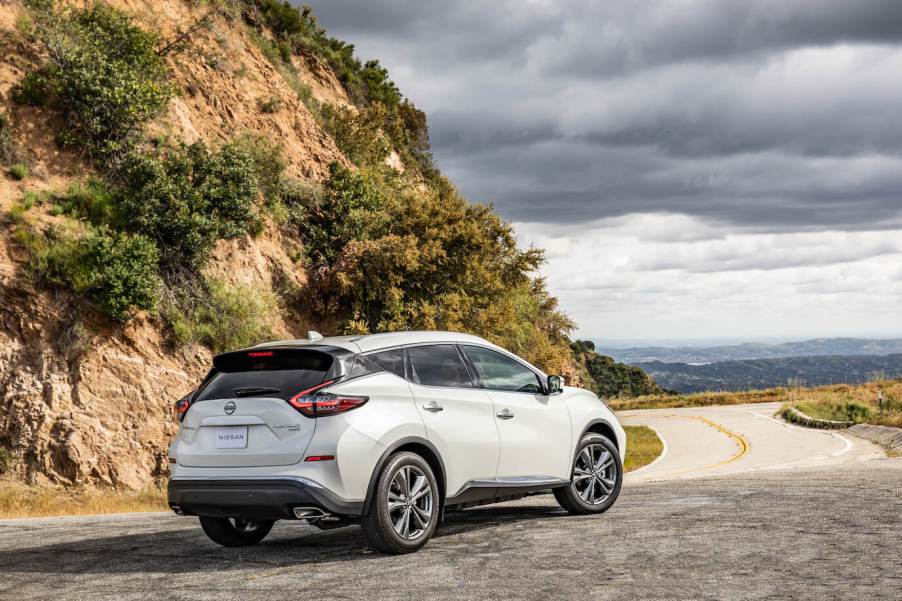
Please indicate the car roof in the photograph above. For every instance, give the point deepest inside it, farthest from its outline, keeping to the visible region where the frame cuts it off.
(370, 342)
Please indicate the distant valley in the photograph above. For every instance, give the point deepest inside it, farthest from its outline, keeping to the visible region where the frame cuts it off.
(818, 347)
(767, 373)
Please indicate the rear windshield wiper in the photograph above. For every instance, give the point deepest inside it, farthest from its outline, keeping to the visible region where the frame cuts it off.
(254, 391)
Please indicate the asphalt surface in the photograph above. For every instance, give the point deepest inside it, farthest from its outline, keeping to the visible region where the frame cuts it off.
(738, 439)
(828, 530)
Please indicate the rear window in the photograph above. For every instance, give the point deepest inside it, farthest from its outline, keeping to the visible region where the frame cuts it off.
(265, 373)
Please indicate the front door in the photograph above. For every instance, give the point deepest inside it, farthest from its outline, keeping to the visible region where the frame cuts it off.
(534, 427)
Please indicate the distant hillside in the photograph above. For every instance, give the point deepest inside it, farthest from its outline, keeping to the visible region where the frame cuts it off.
(607, 378)
(818, 347)
(768, 373)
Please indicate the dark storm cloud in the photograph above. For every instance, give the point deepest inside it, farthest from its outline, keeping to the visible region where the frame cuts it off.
(774, 115)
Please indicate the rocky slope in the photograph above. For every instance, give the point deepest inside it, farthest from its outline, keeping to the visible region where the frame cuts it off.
(92, 404)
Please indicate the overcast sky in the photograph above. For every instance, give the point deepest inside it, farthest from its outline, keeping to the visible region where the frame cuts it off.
(694, 169)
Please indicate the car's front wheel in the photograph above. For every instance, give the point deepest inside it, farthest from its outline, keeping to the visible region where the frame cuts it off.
(235, 532)
(404, 510)
(596, 478)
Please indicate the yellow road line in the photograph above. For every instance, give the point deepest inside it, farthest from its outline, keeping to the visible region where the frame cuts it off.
(739, 439)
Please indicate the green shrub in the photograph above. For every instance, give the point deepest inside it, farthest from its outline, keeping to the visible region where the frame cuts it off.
(219, 315)
(118, 271)
(609, 379)
(270, 105)
(385, 119)
(6, 460)
(282, 18)
(102, 75)
(837, 410)
(9, 148)
(386, 258)
(267, 162)
(53, 256)
(115, 271)
(18, 171)
(29, 199)
(187, 199)
(358, 134)
(92, 201)
(350, 208)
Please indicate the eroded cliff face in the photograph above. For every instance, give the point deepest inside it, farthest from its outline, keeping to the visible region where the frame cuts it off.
(86, 404)
(83, 401)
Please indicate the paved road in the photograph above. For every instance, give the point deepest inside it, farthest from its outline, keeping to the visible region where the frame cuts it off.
(708, 441)
(823, 531)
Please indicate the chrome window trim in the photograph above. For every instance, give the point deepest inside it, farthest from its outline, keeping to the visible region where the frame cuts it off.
(539, 373)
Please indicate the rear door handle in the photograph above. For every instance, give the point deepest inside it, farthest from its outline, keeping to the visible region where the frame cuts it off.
(433, 407)
(505, 414)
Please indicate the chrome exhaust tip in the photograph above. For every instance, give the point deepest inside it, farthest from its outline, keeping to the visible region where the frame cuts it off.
(309, 513)
(177, 510)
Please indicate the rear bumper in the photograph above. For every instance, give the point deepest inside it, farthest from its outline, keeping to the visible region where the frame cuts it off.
(254, 498)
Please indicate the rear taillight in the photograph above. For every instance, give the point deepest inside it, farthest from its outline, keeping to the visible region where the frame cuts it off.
(312, 403)
(181, 407)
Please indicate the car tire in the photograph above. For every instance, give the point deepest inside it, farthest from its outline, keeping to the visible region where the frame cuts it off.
(235, 532)
(402, 513)
(594, 484)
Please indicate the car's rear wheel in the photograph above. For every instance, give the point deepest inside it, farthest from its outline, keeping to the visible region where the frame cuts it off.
(596, 477)
(405, 507)
(235, 532)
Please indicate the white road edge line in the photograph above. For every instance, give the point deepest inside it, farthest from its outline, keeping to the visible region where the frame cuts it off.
(845, 449)
(658, 458)
(847, 444)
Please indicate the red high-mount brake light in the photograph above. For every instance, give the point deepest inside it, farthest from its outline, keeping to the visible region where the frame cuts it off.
(260, 354)
(324, 404)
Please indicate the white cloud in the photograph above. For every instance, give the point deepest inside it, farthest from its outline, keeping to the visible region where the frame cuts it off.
(632, 277)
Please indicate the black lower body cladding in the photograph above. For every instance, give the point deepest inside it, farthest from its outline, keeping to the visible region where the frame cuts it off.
(254, 499)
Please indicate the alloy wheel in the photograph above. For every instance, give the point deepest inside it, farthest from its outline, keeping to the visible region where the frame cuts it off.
(594, 474)
(244, 525)
(410, 502)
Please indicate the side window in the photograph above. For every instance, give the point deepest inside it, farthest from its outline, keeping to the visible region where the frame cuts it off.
(500, 372)
(438, 365)
(363, 366)
(391, 361)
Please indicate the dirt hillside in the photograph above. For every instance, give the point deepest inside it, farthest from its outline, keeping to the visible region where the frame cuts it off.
(91, 404)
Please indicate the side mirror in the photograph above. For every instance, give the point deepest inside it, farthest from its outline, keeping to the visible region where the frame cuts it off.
(555, 384)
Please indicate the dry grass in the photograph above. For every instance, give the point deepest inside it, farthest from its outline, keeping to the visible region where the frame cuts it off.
(20, 501)
(865, 394)
(642, 447)
(699, 399)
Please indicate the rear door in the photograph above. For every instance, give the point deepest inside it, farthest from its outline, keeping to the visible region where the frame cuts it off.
(459, 418)
(534, 427)
(241, 416)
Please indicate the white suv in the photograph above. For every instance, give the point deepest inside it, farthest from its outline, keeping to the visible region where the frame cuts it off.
(390, 430)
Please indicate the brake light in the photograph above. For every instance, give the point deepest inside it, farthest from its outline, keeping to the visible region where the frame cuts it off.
(180, 408)
(311, 404)
(260, 354)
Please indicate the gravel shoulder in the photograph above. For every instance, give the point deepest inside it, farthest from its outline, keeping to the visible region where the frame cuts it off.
(819, 533)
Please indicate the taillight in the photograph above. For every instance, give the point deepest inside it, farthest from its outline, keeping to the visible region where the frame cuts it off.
(311, 404)
(181, 407)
